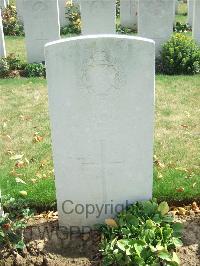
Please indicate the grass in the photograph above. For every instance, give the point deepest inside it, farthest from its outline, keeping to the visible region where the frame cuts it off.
(25, 115)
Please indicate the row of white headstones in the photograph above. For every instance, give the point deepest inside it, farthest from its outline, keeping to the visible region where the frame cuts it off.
(101, 103)
(154, 19)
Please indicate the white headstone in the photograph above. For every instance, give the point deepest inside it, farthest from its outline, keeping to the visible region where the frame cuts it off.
(176, 6)
(196, 21)
(2, 41)
(155, 20)
(19, 8)
(3, 4)
(190, 5)
(98, 16)
(128, 13)
(41, 25)
(62, 12)
(101, 101)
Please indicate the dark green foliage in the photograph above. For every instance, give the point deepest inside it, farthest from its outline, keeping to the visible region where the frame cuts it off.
(144, 234)
(180, 55)
(11, 24)
(34, 70)
(179, 27)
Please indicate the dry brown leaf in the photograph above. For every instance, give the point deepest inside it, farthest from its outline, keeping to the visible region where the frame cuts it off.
(111, 222)
(195, 207)
(182, 211)
(13, 173)
(180, 189)
(19, 164)
(184, 126)
(37, 139)
(33, 180)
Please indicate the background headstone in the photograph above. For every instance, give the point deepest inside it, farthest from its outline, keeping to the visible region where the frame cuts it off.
(3, 4)
(19, 8)
(190, 5)
(155, 20)
(128, 13)
(101, 98)
(2, 41)
(41, 25)
(196, 21)
(98, 16)
(62, 12)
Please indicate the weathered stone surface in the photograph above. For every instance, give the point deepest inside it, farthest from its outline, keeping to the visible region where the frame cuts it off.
(41, 24)
(98, 16)
(101, 101)
(129, 13)
(2, 41)
(190, 4)
(196, 21)
(155, 20)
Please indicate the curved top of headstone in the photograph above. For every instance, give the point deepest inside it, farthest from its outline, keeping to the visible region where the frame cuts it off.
(100, 36)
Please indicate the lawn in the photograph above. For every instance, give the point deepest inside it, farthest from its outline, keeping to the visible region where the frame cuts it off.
(25, 131)
(26, 146)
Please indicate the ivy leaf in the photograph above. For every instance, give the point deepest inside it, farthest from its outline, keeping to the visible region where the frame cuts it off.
(163, 208)
(123, 244)
(165, 255)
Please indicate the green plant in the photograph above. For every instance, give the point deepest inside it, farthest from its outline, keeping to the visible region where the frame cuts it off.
(4, 67)
(125, 30)
(34, 70)
(179, 27)
(117, 8)
(144, 234)
(74, 18)
(12, 226)
(180, 55)
(14, 62)
(11, 24)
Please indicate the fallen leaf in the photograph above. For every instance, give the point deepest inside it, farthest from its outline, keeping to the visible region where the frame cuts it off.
(19, 180)
(33, 180)
(17, 157)
(19, 164)
(180, 189)
(195, 207)
(37, 139)
(13, 173)
(182, 211)
(9, 152)
(111, 222)
(184, 126)
(160, 176)
(163, 207)
(23, 193)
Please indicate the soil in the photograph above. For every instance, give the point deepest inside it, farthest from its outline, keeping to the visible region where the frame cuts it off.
(49, 245)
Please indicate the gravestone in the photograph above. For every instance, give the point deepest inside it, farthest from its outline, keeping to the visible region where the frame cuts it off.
(62, 12)
(19, 9)
(41, 25)
(128, 13)
(155, 20)
(101, 98)
(190, 5)
(196, 21)
(3, 4)
(2, 41)
(98, 16)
